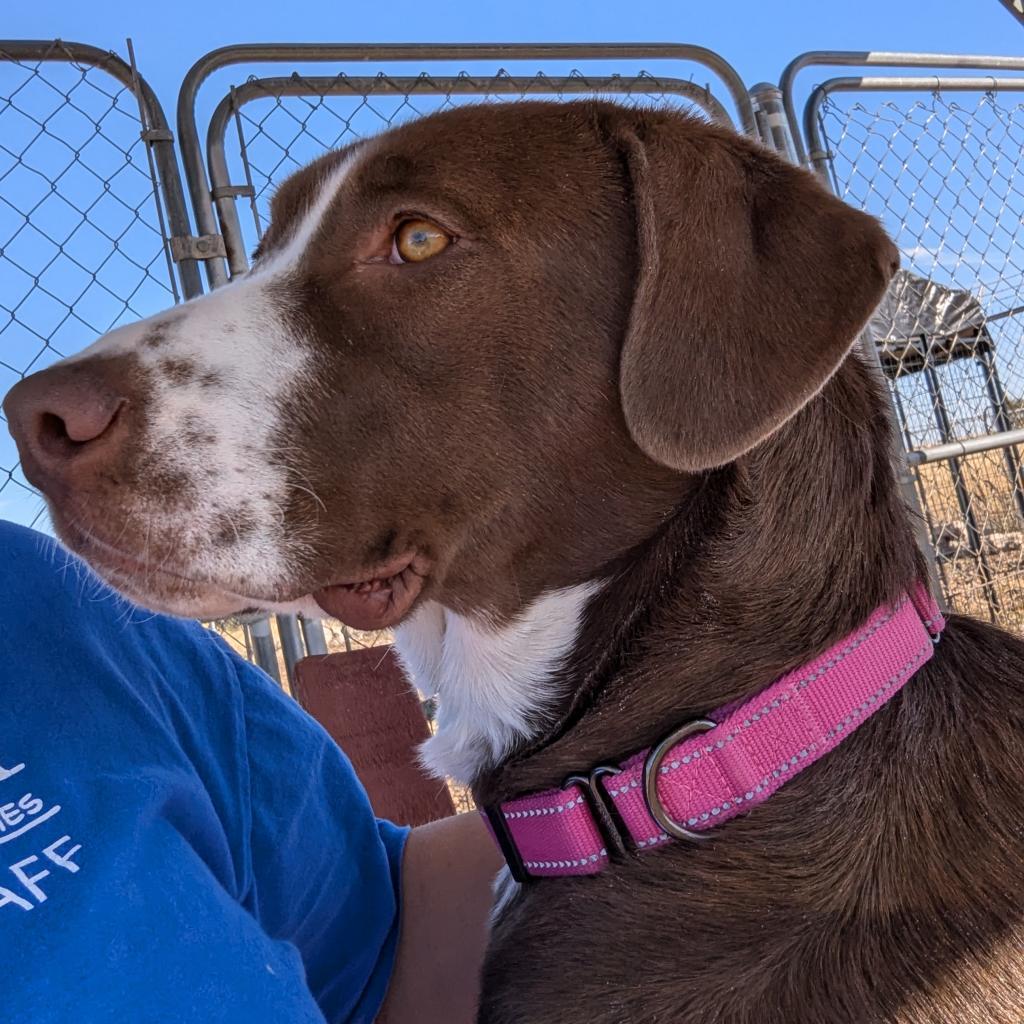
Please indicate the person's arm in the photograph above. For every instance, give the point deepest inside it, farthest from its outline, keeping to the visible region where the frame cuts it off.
(180, 841)
(392, 925)
(447, 876)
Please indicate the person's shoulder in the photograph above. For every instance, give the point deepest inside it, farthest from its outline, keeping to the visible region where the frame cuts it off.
(38, 574)
(25, 549)
(43, 582)
(56, 613)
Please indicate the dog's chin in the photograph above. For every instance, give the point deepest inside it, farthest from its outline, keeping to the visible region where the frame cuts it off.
(199, 602)
(172, 595)
(375, 604)
(152, 585)
(380, 597)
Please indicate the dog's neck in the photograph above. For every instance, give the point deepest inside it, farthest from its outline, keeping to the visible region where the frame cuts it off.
(846, 895)
(766, 563)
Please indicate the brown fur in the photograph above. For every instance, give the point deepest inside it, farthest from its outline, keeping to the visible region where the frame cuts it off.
(883, 883)
(623, 370)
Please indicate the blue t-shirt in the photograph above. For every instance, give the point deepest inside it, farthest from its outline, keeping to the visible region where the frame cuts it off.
(179, 841)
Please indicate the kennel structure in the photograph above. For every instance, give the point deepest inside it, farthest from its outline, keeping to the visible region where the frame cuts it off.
(920, 327)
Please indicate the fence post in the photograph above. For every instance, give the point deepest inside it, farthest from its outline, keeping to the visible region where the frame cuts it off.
(291, 642)
(776, 130)
(263, 648)
(1003, 423)
(975, 540)
(313, 635)
(772, 123)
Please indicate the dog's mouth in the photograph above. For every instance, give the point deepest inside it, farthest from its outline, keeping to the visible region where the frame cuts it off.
(380, 599)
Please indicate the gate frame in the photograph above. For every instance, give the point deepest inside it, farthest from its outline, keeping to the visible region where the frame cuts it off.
(387, 53)
(878, 59)
(224, 193)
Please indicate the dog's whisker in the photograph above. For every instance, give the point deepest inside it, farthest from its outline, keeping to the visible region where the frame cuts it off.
(309, 490)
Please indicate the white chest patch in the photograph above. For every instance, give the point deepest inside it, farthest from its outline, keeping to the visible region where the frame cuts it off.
(494, 684)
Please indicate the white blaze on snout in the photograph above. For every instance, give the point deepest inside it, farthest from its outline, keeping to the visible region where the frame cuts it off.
(219, 371)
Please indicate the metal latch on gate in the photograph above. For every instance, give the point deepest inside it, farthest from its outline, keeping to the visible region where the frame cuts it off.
(197, 247)
(233, 192)
(156, 135)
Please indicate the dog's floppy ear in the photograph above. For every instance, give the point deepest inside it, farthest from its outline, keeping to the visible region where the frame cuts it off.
(752, 284)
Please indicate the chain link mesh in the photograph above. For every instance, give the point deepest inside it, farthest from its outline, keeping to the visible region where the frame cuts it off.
(81, 249)
(943, 172)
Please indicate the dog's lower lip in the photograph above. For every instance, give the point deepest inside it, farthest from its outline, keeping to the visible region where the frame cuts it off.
(379, 599)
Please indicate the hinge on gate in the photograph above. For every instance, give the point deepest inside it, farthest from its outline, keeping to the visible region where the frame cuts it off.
(197, 247)
(232, 191)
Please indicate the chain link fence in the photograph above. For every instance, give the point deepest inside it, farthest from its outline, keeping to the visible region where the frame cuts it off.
(939, 161)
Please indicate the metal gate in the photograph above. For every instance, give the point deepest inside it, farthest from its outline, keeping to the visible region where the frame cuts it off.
(88, 187)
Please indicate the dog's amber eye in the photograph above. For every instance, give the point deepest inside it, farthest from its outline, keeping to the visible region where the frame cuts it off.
(418, 240)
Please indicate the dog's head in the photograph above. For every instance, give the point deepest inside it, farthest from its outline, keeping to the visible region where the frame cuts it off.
(476, 357)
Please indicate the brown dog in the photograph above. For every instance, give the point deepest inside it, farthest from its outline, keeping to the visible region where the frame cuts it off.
(563, 391)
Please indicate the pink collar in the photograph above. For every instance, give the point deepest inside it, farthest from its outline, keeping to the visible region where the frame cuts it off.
(709, 770)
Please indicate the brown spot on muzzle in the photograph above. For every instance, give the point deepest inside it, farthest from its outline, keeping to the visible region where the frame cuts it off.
(197, 438)
(179, 372)
(233, 527)
(155, 476)
(157, 335)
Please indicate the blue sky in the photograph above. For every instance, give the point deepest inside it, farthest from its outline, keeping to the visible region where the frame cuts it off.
(757, 39)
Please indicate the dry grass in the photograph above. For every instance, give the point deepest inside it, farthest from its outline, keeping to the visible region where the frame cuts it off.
(991, 502)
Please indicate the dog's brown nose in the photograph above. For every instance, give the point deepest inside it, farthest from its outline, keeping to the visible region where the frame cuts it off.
(61, 418)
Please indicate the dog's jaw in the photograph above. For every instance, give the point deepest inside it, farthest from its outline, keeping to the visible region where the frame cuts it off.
(496, 684)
